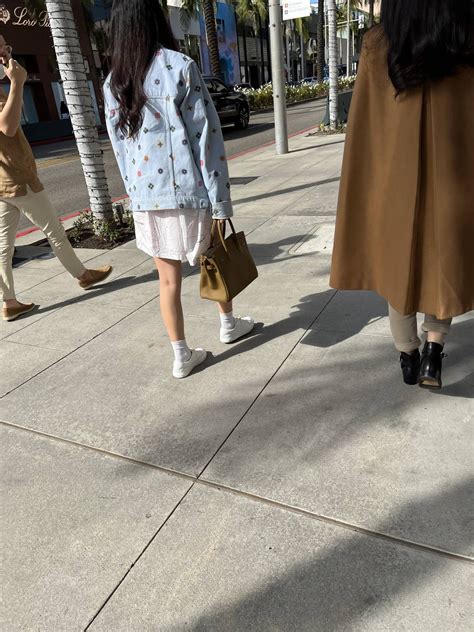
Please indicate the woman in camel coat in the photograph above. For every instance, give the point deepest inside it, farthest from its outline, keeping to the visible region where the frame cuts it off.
(405, 222)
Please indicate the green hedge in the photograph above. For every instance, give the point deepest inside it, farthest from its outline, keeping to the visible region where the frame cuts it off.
(261, 98)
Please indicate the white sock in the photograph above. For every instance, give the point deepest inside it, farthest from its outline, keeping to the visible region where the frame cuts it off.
(227, 320)
(182, 352)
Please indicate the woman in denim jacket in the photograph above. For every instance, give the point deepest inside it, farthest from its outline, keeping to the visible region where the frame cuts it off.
(170, 151)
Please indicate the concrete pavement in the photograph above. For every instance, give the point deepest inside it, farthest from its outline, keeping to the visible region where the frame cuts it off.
(294, 483)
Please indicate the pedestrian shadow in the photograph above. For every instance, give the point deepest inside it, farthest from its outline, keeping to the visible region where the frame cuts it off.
(350, 582)
(307, 314)
(119, 283)
(305, 317)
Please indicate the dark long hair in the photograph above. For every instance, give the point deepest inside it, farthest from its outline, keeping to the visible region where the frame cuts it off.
(138, 29)
(427, 39)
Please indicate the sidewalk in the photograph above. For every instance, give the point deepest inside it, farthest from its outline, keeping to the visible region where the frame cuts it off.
(292, 484)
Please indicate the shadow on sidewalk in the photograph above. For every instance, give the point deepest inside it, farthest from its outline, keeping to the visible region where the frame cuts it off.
(358, 583)
(310, 306)
(336, 142)
(118, 283)
(463, 388)
(313, 305)
(276, 193)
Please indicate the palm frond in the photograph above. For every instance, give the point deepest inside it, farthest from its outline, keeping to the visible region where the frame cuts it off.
(251, 10)
(302, 26)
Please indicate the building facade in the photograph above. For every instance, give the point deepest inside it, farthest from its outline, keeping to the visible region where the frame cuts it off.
(43, 115)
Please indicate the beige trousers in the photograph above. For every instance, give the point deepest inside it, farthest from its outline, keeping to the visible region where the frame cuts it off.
(38, 209)
(405, 329)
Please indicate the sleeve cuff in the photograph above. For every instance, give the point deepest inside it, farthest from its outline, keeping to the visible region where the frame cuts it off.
(222, 210)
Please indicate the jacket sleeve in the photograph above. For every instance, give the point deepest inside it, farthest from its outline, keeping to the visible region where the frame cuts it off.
(207, 143)
(111, 118)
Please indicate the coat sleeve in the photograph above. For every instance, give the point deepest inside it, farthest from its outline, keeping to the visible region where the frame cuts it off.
(207, 143)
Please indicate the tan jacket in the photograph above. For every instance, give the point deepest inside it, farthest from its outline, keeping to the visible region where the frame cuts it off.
(405, 223)
(17, 163)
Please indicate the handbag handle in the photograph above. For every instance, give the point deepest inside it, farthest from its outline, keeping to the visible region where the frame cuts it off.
(221, 231)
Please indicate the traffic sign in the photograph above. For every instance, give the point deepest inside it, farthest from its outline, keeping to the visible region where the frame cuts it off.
(293, 9)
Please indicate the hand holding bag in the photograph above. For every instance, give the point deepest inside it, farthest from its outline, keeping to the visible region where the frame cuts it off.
(227, 266)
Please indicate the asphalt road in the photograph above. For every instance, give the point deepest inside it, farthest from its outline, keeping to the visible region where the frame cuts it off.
(60, 170)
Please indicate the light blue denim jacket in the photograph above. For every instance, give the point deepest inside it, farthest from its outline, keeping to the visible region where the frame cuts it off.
(177, 160)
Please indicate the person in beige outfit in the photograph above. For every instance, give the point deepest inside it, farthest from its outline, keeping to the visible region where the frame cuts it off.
(22, 192)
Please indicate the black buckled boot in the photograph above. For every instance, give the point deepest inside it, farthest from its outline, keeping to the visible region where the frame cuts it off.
(410, 363)
(431, 365)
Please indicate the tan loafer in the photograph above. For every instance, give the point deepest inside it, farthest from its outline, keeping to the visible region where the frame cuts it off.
(10, 313)
(95, 276)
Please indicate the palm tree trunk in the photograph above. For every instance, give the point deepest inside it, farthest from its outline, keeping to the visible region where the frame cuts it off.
(332, 20)
(320, 41)
(246, 60)
(211, 35)
(371, 13)
(79, 102)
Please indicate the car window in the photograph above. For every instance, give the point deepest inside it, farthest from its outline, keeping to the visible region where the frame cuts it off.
(209, 85)
(219, 86)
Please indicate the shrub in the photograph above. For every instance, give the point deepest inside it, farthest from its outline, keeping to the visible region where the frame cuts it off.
(261, 98)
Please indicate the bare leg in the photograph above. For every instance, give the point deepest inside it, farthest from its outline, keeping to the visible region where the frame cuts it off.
(170, 275)
(436, 330)
(224, 308)
(434, 336)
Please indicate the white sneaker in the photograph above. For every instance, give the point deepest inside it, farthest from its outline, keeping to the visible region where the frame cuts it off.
(183, 369)
(242, 327)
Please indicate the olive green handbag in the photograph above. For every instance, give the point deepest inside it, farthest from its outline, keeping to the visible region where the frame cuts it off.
(227, 266)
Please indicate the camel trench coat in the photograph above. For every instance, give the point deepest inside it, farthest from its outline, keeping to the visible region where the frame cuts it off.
(405, 220)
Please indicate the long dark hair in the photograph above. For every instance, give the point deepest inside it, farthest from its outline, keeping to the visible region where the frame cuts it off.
(427, 39)
(138, 28)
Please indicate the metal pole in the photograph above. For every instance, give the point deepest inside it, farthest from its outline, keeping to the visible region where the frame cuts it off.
(348, 37)
(278, 78)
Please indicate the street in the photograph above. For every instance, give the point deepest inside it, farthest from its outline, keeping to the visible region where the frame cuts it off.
(60, 170)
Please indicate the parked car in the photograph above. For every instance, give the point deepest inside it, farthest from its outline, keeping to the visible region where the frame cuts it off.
(308, 80)
(341, 72)
(243, 86)
(231, 105)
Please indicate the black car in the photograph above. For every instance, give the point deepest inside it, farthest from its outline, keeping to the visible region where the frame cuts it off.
(231, 105)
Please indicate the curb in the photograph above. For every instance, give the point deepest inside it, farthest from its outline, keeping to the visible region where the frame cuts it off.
(61, 139)
(289, 105)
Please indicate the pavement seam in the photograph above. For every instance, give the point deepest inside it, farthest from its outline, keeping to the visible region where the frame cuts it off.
(249, 408)
(69, 353)
(137, 559)
(424, 548)
(28, 344)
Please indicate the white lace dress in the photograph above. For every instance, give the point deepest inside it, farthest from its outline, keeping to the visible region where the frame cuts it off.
(179, 234)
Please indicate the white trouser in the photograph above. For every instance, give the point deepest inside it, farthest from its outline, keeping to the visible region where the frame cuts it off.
(38, 209)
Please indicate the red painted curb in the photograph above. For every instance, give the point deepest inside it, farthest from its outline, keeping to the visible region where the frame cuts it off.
(60, 139)
(244, 152)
